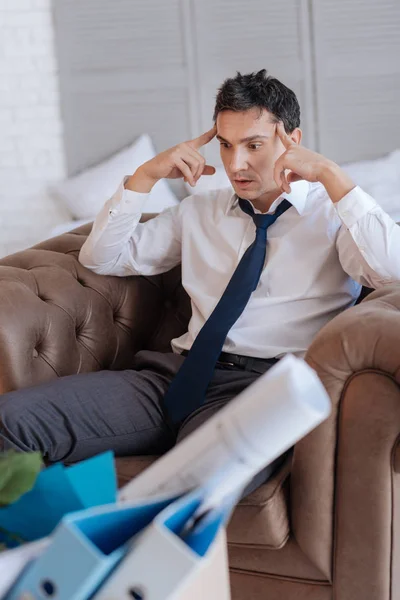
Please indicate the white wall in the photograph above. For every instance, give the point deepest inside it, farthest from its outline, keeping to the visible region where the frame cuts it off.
(31, 146)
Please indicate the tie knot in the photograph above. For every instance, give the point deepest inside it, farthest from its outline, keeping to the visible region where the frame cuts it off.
(263, 221)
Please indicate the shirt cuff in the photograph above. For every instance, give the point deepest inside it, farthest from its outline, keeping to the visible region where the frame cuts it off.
(126, 201)
(354, 205)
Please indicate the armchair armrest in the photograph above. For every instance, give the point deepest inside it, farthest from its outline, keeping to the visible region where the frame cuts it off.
(343, 471)
(58, 318)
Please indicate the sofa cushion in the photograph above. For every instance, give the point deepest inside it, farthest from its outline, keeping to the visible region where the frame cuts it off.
(260, 519)
(130, 466)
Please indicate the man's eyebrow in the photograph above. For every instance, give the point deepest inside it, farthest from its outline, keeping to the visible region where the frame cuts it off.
(246, 139)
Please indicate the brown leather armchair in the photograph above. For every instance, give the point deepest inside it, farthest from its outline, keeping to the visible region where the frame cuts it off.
(328, 524)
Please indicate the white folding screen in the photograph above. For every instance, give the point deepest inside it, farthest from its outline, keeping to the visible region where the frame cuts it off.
(122, 72)
(233, 35)
(357, 77)
(127, 67)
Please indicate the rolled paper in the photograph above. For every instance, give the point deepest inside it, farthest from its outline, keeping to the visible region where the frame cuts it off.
(255, 428)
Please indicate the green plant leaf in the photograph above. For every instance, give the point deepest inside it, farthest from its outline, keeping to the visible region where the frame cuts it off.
(18, 473)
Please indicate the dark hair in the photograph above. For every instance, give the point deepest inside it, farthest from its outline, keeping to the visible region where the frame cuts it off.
(257, 90)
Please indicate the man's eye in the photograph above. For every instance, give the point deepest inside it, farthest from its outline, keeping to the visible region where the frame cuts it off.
(224, 144)
(255, 146)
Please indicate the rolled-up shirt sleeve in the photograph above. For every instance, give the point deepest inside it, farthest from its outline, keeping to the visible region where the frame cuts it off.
(120, 245)
(368, 241)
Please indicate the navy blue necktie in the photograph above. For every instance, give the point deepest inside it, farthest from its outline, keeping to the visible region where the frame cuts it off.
(188, 388)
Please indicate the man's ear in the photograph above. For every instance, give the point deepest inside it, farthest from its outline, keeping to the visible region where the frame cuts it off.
(296, 135)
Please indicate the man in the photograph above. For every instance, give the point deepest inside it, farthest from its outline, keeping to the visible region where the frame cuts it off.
(266, 265)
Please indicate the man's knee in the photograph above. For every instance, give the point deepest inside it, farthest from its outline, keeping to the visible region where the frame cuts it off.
(11, 416)
(23, 423)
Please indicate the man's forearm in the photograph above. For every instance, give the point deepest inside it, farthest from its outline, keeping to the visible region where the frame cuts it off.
(336, 182)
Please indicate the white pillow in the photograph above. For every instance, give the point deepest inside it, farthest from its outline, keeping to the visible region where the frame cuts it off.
(381, 179)
(85, 193)
(210, 182)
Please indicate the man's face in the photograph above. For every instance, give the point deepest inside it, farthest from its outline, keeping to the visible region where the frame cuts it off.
(249, 150)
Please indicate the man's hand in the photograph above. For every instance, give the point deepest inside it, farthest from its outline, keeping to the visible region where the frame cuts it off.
(311, 166)
(303, 163)
(183, 160)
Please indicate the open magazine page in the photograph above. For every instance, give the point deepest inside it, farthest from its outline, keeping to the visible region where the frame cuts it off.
(227, 451)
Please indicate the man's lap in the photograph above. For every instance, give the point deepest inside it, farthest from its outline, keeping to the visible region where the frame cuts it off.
(77, 416)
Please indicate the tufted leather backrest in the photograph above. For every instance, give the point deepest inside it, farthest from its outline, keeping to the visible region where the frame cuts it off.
(58, 318)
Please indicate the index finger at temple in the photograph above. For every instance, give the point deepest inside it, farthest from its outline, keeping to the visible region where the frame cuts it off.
(204, 138)
(283, 136)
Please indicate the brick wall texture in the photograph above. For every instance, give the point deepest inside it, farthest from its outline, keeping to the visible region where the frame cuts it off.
(31, 144)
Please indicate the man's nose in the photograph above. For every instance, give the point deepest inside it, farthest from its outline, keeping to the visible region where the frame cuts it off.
(238, 162)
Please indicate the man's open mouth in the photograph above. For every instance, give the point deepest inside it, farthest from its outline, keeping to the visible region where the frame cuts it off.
(243, 182)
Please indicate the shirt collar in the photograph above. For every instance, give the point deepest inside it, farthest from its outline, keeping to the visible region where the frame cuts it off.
(297, 198)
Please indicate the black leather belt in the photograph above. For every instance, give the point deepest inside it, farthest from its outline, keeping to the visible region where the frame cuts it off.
(247, 363)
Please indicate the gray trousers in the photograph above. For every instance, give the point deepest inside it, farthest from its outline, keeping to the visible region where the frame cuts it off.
(75, 417)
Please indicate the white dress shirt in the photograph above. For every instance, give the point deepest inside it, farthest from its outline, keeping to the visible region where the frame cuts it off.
(318, 256)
